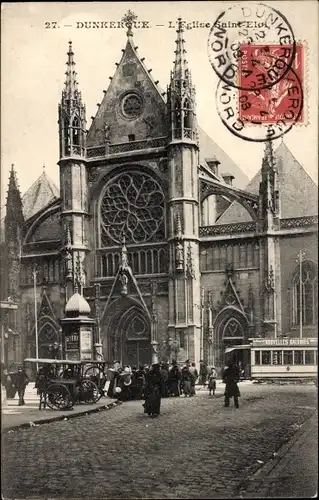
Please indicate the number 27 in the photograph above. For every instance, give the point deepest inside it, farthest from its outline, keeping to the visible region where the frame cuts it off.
(51, 24)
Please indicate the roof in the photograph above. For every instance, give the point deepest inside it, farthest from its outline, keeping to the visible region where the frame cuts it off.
(42, 192)
(298, 192)
(77, 304)
(209, 149)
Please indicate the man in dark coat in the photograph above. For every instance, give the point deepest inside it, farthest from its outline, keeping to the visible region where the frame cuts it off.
(231, 378)
(21, 380)
(165, 374)
(153, 391)
(203, 372)
(174, 376)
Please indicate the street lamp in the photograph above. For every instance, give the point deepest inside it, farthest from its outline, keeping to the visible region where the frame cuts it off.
(34, 274)
(300, 259)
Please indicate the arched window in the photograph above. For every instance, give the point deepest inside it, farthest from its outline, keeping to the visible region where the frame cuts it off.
(187, 121)
(76, 131)
(307, 299)
(149, 262)
(233, 329)
(162, 261)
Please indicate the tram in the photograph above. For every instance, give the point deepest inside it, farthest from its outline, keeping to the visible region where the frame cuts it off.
(284, 358)
(277, 358)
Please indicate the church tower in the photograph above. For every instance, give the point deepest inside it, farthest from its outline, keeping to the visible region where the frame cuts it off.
(73, 178)
(269, 223)
(183, 208)
(13, 233)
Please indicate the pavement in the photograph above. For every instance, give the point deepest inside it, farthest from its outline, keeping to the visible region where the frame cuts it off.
(28, 415)
(293, 473)
(195, 449)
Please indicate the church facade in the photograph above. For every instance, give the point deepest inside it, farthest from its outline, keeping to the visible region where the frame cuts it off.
(176, 252)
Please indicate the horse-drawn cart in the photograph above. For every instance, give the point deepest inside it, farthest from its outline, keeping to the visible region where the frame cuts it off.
(63, 383)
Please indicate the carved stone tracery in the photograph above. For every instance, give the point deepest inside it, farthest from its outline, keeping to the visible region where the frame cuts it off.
(132, 206)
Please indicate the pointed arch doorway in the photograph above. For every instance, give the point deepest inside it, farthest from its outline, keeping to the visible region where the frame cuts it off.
(129, 335)
(231, 329)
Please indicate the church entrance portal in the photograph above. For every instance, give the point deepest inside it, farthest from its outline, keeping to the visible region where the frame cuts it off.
(231, 330)
(129, 336)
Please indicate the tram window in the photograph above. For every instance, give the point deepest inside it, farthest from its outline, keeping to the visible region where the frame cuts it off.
(265, 357)
(310, 357)
(287, 357)
(298, 357)
(277, 358)
(257, 357)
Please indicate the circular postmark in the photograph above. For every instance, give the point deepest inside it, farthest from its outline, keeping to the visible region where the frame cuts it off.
(241, 26)
(260, 115)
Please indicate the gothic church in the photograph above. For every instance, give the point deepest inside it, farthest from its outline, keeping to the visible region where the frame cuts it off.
(177, 254)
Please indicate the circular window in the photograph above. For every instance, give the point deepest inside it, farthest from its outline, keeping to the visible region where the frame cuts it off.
(132, 105)
(132, 205)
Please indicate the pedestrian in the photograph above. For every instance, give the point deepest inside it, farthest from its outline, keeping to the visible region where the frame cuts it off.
(193, 379)
(174, 380)
(125, 383)
(153, 391)
(9, 385)
(212, 377)
(231, 379)
(40, 385)
(203, 373)
(113, 378)
(165, 373)
(139, 381)
(186, 381)
(21, 381)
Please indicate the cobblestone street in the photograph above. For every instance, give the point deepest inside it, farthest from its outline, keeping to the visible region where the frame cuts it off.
(195, 449)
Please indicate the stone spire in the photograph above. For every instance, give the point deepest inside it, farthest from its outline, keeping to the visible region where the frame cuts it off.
(14, 214)
(71, 91)
(72, 121)
(268, 161)
(180, 71)
(181, 95)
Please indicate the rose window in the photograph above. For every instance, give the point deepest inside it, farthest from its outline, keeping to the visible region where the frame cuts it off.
(132, 206)
(132, 105)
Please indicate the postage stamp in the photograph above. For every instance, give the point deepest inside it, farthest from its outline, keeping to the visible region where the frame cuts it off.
(254, 24)
(279, 101)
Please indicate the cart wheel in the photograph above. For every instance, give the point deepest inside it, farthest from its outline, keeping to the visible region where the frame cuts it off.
(89, 392)
(59, 397)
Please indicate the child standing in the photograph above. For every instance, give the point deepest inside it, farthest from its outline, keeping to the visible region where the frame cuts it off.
(212, 381)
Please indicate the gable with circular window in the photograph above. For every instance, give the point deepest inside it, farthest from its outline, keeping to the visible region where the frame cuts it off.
(131, 105)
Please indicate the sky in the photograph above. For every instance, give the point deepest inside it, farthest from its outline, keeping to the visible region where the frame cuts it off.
(33, 72)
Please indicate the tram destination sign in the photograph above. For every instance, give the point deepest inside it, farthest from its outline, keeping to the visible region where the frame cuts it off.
(293, 342)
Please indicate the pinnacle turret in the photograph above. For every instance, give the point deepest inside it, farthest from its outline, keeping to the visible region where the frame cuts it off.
(14, 214)
(14, 201)
(72, 123)
(181, 94)
(71, 91)
(181, 71)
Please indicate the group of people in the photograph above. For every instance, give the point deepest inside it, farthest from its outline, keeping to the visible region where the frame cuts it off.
(15, 382)
(150, 383)
(163, 380)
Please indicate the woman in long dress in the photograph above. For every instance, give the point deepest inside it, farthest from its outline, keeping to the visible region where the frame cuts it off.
(231, 378)
(153, 391)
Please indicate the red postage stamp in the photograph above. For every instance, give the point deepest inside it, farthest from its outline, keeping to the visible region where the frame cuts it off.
(270, 105)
